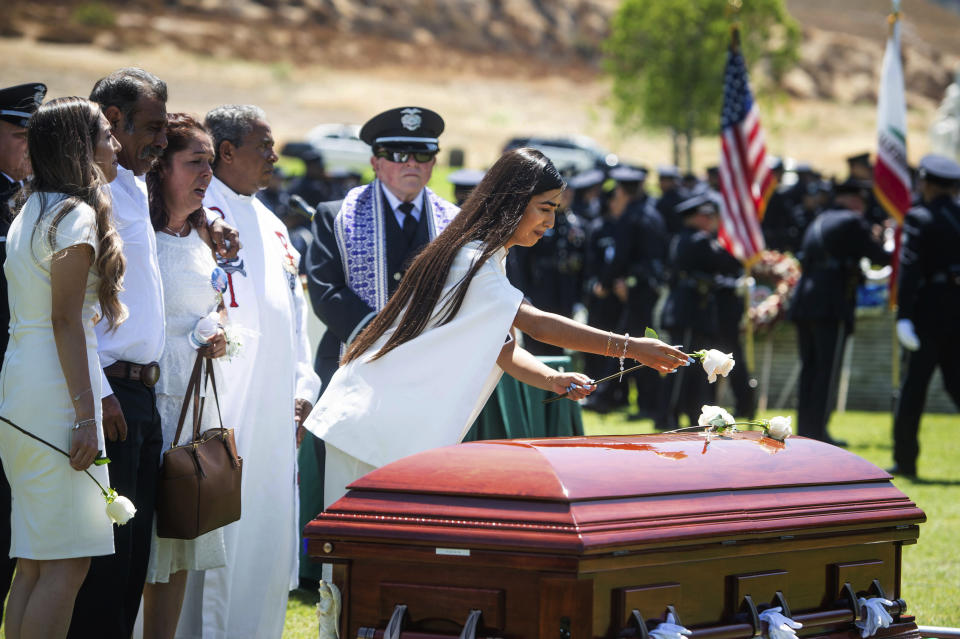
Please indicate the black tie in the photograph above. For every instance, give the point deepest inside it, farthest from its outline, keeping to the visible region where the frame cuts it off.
(409, 222)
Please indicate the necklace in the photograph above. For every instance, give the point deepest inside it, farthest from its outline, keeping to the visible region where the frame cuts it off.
(177, 232)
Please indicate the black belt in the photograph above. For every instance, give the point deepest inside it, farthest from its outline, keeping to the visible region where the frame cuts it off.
(146, 374)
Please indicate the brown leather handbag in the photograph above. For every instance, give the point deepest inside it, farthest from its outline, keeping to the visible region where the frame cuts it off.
(199, 486)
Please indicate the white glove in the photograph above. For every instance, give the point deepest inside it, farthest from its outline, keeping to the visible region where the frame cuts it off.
(778, 625)
(669, 629)
(907, 335)
(328, 611)
(875, 616)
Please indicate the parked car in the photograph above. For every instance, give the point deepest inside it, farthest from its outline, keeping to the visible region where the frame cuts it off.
(571, 155)
(340, 145)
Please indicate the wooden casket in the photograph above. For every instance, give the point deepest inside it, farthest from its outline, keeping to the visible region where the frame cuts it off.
(602, 536)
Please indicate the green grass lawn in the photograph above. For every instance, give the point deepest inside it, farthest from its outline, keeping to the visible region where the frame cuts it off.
(931, 568)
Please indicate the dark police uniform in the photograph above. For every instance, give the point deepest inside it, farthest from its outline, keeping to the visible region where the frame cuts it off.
(550, 272)
(702, 311)
(824, 303)
(641, 250)
(17, 106)
(603, 312)
(929, 297)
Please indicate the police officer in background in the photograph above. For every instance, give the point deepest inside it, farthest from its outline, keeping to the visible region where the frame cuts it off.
(703, 306)
(825, 300)
(671, 194)
(588, 197)
(17, 106)
(928, 302)
(605, 306)
(550, 273)
(636, 274)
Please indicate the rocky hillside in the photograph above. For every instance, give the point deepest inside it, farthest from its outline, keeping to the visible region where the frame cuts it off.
(840, 54)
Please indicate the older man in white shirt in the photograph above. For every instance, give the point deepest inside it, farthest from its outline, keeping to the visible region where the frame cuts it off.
(267, 393)
(134, 101)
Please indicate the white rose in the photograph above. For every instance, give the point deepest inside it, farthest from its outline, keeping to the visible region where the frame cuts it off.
(120, 510)
(714, 416)
(717, 363)
(779, 428)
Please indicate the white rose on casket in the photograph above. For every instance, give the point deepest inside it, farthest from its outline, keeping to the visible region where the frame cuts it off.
(714, 416)
(717, 363)
(779, 428)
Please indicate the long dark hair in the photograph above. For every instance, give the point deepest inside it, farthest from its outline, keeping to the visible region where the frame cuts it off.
(490, 216)
(181, 129)
(61, 139)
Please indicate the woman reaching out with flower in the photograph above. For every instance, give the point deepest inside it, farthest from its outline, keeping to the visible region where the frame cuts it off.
(417, 376)
(65, 268)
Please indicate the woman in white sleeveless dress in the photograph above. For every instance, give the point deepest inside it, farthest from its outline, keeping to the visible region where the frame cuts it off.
(190, 293)
(64, 268)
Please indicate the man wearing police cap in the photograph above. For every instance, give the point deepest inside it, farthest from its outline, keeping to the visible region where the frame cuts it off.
(825, 299)
(362, 248)
(928, 302)
(17, 106)
(360, 254)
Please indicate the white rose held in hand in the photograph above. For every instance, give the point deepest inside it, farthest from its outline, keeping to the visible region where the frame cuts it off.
(120, 510)
(717, 363)
(715, 417)
(779, 428)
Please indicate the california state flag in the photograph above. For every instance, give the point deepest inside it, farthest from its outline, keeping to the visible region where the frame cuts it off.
(891, 176)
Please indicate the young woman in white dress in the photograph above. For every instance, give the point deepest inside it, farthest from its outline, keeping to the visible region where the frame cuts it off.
(64, 268)
(417, 376)
(190, 275)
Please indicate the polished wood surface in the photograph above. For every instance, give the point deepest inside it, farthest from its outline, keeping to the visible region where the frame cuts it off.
(565, 538)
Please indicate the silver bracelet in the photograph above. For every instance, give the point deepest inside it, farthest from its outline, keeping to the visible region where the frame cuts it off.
(81, 394)
(623, 356)
(84, 422)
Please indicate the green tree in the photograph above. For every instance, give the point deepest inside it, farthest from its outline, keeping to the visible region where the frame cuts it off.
(666, 59)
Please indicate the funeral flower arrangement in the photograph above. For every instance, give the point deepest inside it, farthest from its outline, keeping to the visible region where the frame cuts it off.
(774, 278)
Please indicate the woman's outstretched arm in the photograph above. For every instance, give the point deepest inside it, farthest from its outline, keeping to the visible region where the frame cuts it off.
(524, 366)
(561, 331)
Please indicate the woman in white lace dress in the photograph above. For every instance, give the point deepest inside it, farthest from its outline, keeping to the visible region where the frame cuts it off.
(192, 305)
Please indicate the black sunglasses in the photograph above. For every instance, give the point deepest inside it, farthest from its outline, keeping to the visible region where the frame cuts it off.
(403, 156)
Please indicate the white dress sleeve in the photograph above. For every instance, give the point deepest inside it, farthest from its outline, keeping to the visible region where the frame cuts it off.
(79, 226)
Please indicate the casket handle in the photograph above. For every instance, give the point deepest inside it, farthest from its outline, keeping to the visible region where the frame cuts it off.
(639, 628)
(470, 626)
(780, 600)
(753, 616)
(395, 624)
(899, 605)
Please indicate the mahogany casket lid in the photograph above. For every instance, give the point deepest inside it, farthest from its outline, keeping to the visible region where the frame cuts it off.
(583, 494)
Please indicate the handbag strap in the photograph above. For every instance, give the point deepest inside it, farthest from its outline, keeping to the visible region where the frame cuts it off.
(194, 383)
(213, 385)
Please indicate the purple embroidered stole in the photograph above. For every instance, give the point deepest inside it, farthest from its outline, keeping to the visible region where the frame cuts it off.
(360, 230)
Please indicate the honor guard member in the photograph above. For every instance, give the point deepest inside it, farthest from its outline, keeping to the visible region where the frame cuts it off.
(928, 302)
(671, 194)
(825, 300)
(604, 307)
(17, 106)
(464, 181)
(703, 308)
(550, 273)
(637, 271)
(587, 190)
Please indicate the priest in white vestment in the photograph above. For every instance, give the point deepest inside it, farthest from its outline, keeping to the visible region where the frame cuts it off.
(266, 395)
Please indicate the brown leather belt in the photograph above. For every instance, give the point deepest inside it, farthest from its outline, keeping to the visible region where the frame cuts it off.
(146, 374)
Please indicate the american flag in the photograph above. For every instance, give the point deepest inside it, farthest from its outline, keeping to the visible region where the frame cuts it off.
(745, 179)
